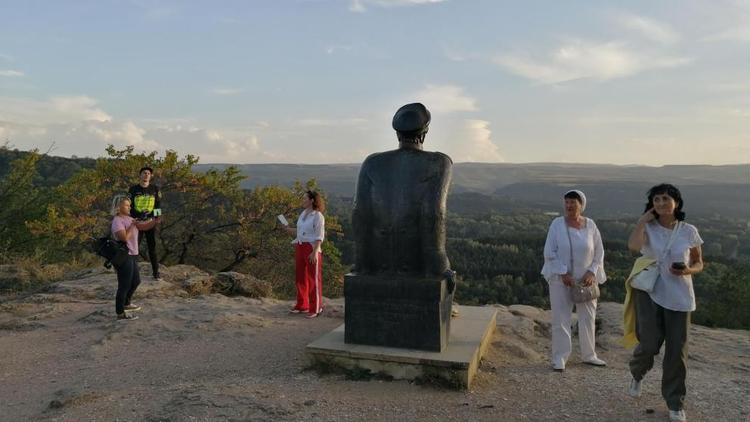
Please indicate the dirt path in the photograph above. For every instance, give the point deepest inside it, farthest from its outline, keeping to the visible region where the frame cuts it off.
(217, 358)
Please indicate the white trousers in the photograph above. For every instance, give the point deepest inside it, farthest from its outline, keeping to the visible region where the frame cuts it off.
(562, 315)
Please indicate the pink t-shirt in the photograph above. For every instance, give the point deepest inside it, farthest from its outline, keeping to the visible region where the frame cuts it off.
(121, 222)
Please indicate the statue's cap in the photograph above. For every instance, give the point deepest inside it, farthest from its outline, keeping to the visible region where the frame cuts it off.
(412, 118)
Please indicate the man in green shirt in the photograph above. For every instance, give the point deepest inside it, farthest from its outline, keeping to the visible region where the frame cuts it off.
(146, 204)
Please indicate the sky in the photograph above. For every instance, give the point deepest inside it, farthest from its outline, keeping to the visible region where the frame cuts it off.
(318, 81)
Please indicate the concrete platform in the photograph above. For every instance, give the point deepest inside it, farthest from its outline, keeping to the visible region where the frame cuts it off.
(456, 367)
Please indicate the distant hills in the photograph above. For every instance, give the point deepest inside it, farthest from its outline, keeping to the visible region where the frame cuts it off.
(478, 188)
(481, 187)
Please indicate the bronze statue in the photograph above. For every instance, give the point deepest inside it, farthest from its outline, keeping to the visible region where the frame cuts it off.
(401, 289)
(400, 204)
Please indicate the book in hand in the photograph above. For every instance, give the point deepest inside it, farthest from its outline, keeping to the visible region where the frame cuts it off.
(282, 219)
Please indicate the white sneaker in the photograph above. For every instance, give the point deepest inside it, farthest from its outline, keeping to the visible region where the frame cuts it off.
(677, 415)
(635, 388)
(558, 367)
(595, 362)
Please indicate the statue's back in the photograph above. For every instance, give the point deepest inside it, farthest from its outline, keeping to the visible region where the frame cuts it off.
(400, 203)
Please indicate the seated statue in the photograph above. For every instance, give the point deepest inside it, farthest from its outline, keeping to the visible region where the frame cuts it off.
(400, 204)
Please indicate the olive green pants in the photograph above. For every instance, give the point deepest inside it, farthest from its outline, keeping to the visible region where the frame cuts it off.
(656, 325)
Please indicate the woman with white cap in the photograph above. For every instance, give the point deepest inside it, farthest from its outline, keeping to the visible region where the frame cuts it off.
(573, 253)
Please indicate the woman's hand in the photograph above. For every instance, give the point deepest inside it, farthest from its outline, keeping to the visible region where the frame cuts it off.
(638, 236)
(679, 271)
(647, 217)
(313, 257)
(588, 279)
(568, 280)
(288, 229)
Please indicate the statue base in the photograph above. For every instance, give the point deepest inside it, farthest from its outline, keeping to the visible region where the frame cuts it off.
(401, 312)
(456, 367)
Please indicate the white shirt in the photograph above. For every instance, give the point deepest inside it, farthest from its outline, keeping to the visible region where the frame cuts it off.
(588, 252)
(673, 292)
(310, 227)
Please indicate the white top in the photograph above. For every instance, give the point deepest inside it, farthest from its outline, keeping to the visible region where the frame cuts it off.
(673, 292)
(588, 252)
(310, 227)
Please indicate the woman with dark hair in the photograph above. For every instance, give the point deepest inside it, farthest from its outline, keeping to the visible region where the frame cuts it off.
(125, 229)
(663, 315)
(573, 253)
(310, 232)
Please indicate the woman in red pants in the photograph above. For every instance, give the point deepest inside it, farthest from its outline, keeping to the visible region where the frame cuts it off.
(310, 232)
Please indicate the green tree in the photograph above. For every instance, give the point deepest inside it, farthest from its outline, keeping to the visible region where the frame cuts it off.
(208, 220)
(21, 202)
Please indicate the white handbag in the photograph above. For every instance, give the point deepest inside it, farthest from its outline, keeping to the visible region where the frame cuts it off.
(646, 279)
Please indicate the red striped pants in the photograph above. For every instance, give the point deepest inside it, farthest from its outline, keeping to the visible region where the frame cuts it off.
(309, 280)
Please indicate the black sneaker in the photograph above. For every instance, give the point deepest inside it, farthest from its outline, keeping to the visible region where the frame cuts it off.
(157, 277)
(132, 307)
(126, 317)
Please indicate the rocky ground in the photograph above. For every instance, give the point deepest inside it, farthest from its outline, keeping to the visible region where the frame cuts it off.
(199, 356)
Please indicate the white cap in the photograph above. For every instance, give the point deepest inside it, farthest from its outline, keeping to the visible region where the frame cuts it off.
(583, 197)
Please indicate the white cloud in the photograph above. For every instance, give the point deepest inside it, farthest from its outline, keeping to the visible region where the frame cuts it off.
(360, 6)
(77, 126)
(730, 21)
(6, 57)
(211, 144)
(464, 140)
(739, 33)
(56, 110)
(445, 99)
(226, 91)
(586, 60)
(332, 49)
(11, 73)
(649, 28)
(477, 145)
(155, 10)
(349, 121)
(127, 133)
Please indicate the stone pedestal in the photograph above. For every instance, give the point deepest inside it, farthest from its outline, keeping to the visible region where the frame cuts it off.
(401, 312)
(455, 367)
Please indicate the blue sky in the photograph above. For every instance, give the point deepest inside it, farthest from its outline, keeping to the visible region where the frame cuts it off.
(317, 81)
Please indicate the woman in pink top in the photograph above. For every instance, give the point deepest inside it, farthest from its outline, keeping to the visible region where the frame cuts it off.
(310, 232)
(125, 229)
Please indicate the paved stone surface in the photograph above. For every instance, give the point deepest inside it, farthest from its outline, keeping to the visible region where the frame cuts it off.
(457, 365)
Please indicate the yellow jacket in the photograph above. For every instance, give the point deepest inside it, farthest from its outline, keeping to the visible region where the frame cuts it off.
(629, 338)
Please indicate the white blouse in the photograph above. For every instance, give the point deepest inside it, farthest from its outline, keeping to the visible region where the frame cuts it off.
(673, 292)
(310, 227)
(588, 251)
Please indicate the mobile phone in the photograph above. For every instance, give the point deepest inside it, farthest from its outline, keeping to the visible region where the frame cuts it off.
(655, 213)
(679, 265)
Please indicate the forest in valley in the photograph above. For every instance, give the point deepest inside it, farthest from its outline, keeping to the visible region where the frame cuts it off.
(53, 207)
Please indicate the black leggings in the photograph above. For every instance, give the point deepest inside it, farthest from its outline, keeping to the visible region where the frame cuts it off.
(128, 280)
(151, 243)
